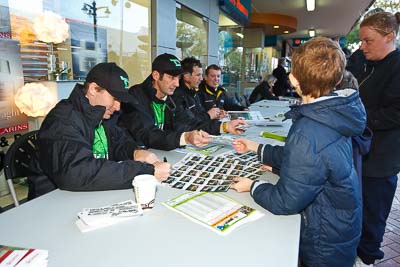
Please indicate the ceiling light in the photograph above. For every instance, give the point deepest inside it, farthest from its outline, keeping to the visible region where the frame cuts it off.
(310, 5)
(276, 26)
(285, 31)
(240, 35)
(311, 33)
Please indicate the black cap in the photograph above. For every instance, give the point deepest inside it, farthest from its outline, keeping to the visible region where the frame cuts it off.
(112, 78)
(167, 63)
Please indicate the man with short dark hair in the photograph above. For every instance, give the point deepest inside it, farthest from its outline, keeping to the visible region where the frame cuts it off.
(80, 146)
(169, 126)
(213, 95)
(187, 92)
(186, 96)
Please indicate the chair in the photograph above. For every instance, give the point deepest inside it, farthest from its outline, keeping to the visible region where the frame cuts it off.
(1, 168)
(245, 101)
(17, 161)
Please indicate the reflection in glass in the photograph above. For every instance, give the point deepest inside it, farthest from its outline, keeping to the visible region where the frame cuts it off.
(230, 53)
(108, 31)
(191, 35)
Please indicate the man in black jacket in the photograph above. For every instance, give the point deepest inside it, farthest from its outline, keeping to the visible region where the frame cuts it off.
(80, 146)
(186, 97)
(169, 125)
(186, 94)
(213, 95)
(282, 84)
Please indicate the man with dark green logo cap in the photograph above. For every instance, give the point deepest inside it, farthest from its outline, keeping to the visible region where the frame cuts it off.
(80, 146)
(164, 129)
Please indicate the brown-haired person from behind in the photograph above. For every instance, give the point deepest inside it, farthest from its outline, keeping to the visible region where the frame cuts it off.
(317, 177)
(80, 146)
(380, 92)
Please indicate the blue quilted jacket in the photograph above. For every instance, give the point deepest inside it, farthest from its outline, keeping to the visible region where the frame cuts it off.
(318, 178)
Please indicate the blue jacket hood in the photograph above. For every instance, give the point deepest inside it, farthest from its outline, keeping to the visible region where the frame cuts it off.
(343, 111)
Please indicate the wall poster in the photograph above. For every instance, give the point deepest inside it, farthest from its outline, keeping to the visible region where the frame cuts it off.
(11, 78)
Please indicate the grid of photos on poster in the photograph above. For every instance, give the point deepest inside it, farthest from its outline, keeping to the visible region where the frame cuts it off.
(213, 173)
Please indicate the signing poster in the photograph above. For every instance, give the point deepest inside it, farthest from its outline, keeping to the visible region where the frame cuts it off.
(11, 78)
(5, 26)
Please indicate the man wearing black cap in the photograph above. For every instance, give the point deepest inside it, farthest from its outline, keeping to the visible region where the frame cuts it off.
(166, 129)
(80, 146)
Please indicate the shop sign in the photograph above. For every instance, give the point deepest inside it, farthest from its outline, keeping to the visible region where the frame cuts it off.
(299, 41)
(14, 128)
(239, 10)
(5, 25)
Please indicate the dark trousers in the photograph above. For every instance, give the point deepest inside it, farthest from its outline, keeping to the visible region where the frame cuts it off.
(378, 194)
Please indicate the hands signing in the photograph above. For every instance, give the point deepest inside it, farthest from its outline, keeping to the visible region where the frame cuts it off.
(161, 170)
(214, 113)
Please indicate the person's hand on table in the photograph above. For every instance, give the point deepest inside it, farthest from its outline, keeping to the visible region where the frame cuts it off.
(145, 156)
(214, 113)
(266, 167)
(197, 138)
(242, 145)
(161, 170)
(241, 184)
(231, 126)
(223, 114)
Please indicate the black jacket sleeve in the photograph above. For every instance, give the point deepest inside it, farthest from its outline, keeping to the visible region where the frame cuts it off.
(230, 104)
(189, 121)
(69, 162)
(141, 127)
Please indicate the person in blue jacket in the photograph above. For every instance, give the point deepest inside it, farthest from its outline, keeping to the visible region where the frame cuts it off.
(317, 174)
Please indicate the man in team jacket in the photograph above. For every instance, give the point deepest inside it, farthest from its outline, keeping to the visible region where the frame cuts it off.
(80, 146)
(187, 97)
(213, 95)
(171, 125)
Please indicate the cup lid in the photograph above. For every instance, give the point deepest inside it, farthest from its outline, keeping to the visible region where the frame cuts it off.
(144, 179)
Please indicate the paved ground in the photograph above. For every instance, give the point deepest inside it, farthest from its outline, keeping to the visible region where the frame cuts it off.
(391, 240)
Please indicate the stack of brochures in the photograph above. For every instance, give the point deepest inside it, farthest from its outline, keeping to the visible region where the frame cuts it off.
(215, 211)
(22, 257)
(93, 218)
(248, 116)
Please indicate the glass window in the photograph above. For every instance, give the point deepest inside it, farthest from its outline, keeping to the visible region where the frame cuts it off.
(99, 31)
(230, 53)
(191, 34)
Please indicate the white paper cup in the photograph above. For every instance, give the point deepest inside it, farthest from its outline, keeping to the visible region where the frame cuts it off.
(144, 187)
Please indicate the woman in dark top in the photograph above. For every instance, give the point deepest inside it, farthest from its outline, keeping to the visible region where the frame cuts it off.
(262, 91)
(379, 83)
